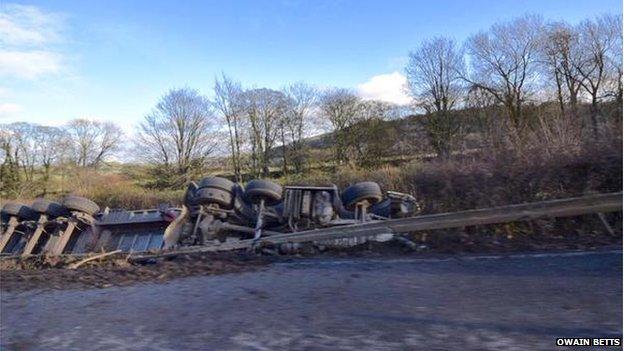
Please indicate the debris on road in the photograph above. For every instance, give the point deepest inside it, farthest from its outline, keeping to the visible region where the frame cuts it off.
(48, 272)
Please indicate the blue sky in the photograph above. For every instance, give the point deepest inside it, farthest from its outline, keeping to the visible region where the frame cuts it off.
(112, 60)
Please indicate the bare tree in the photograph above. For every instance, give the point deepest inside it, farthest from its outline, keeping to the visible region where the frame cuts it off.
(22, 135)
(28, 148)
(503, 63)
(377, 109)
(562, 55)
(433, 75)
(264, 110)
(341, 107)
(598, 37)
(50, 147)
(93, 141)
(228, 103)
(615, 59)
(483, 110)
(179, 134)
(371, 137)
(301, 101)
(9, 166)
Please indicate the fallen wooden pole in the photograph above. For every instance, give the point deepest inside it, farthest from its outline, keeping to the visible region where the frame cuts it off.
(92, 258)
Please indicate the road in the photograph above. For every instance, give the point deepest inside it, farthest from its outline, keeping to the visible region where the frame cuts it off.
(521, 302)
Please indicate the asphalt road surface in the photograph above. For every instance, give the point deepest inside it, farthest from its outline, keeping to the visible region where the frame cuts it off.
(521, 302)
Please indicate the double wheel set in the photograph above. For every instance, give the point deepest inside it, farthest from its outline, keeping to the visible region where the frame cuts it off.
(45, 226)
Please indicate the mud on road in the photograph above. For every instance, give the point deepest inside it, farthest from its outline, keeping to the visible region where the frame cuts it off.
(53, 272)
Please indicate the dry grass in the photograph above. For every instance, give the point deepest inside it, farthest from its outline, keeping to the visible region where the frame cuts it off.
(112, 190)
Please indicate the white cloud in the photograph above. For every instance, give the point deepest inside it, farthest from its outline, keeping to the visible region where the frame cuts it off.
(29, 64)
(9, 109)
(28, 25)
(385, 87)
(26, 37)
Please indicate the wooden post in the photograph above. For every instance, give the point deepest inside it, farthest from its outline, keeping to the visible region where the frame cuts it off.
(32, 243)
(8, 234)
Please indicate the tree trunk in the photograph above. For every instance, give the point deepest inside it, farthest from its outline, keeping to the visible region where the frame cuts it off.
(233, 150)
(237, 165)
(594, 113)
(46, 177)
(559, 93)
(284, 160)
(573, 103)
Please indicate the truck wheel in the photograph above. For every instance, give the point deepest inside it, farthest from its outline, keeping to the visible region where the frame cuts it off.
(20, 211)
(259, 189)
(364, 191)
(50, 208)
(81, 204)
(215, 190)
(217, 183)
(206, 196)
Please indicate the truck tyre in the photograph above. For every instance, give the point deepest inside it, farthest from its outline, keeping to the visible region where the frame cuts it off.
(215, 190)
(81, 204)
(206, 196)
(217, 183)
(19, 210)
(364, 191)
(50, 208)
(259, 189)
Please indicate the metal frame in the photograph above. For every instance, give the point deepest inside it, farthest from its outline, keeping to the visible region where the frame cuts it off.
(34, 240)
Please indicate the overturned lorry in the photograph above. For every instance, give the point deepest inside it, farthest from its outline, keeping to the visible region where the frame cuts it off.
(220, 215)
(215, 210)
(218, 209)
